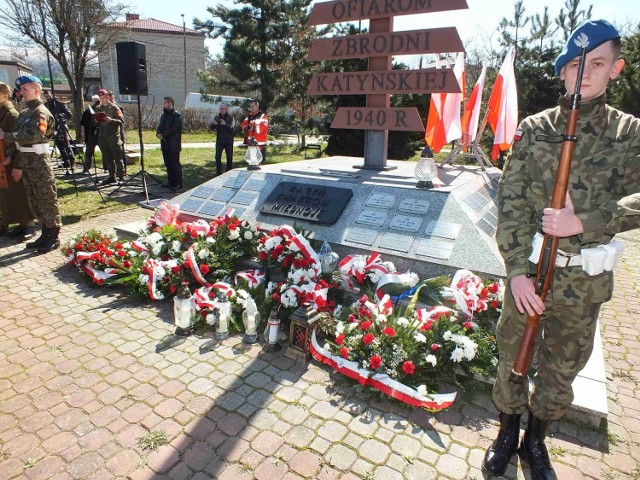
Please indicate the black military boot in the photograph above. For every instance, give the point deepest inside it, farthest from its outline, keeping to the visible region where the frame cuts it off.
(499, 454)
(41, 239)
(534, 451)
(52, 242)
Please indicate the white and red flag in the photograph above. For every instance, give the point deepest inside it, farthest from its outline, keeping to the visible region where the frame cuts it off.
(503, 107)
(443, 122)
(471, 115)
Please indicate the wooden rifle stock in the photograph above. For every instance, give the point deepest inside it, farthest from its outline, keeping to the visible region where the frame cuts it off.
(547, 260)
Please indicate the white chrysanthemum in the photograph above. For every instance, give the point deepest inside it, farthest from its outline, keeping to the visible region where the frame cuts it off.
(210, 240)
(381, 318)
(352, 326)
(143, 279)
(157, 248)
(171, 263)
(175, 246)
(272, 242)
(248, 235)
(234, 234)
(271, 286)
(422, 390)
(403, 321)
(458, 354)
(420, 338)
(289, 299)
(133, 253)
(431, 359)
(154, 238)
(447, 335)
(204, 253)
(126, 245)
(159, 271)
(339, 328)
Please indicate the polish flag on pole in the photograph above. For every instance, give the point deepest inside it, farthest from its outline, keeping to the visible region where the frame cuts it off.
(503, 107)
(443, 122)
(471, 115)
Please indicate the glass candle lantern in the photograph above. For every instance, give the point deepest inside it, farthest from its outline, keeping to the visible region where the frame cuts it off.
(272, 333)
(253, 155)
(184, 309)
(250, 319)
(328, 258)
(426, 169)
(224, 317)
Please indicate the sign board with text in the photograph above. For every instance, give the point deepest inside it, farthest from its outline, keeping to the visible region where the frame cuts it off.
(361, 118)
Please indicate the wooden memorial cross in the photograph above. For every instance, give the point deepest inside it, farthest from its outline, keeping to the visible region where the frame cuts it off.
(379, 81)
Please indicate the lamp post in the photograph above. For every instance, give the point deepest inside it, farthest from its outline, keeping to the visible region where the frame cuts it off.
(184, 44)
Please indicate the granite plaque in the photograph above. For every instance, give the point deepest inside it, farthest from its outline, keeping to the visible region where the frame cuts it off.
(191, 205)
(310, 202)
(372, 217)
(223, 194)
(429, 247)
(211, 209)
(414, 205)
(255, 184)
(202, 192)
(439, 228)
(244, 198)
(235, 181)
(393, 241)
(405, 223)
(363, 236)
(381, 200)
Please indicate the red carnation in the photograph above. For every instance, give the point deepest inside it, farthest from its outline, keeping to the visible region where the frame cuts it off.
(263, 256)
(118, 245)
(389, 332)
(467, 325)
(375, 362)
(204, 269)
(126, 264)
(408, 367)
(365, 325)
(344, 352)
(434, 347)
(121, 253)
(484, 292)
(493, 288)
(172, 289)
(495, 304)
(352, 318)
(176, 269)
(340, 339)
(368, 338)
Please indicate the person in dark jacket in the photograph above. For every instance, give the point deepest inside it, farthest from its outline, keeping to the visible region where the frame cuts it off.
(169, 132)
(225, 126)
(61, 139)
(90, 134)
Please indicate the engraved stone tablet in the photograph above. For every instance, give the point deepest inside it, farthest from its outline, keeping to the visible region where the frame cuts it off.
(429, 247)
(393, 241)
(310, 202)
(191, 205)
(223, 194)
(363, 236)
(372, 217)
(244, 198)
(439, 228)
(236, 181)
(255, 184)
(381, 200)
(405, 223)
(211, 209)
(414, 205)
(202, 192)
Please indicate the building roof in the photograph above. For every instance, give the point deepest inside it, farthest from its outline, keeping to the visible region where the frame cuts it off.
(153, 25)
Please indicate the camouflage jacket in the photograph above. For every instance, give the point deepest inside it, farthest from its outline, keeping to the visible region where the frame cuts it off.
(604, 185)
(34, 124)
(110, 130)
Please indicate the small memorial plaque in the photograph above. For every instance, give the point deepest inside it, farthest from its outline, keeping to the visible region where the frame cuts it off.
(372, 217)
(223, 194)
(235, 181)
(313, 203)
(191, 205)
(363, 236)
(429, 247)
(211, 209)
(393, 241)
(202, 192)
(439, 228)
(255, 184)
(381, 200)
(405, 223)
(244, 198)
(414, 205)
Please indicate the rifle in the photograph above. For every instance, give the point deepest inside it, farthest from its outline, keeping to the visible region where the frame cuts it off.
(547, 260)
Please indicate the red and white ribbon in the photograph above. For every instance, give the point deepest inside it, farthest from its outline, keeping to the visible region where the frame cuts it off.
(359, 265)
(139, 246)
(202, 299)
(311, 293)
(382, 382)
(433, 313)
(201, 227)
(98, 276)
(384, 306)
(165, 215)
(225, 288)
(302, 243)
(194, 267)
(253, 277)
(153, 279)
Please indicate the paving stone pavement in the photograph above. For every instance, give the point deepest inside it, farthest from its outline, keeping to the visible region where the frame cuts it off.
(85, 373)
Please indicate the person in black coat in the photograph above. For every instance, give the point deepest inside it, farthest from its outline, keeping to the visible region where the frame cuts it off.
(225, 125)
(90, 134)
(169, 132)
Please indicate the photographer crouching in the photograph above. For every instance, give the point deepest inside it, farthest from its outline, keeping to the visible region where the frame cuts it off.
(61, 138)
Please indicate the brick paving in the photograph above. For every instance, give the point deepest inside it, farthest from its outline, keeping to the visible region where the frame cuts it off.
(86, 372)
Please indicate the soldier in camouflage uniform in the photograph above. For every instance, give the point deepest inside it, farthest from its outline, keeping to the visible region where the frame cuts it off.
(603, 199)
(34, 127)
(109, 136)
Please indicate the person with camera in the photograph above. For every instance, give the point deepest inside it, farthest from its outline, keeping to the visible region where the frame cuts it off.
(89, 132)
(169, 132)
(109, 118)
(61, 139)
(256, 126)
(225, 126)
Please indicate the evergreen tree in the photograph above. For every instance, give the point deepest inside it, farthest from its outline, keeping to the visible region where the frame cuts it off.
(568, 20)
(625, 90)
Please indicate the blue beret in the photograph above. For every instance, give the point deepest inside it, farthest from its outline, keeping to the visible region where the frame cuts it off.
(596, 31)
(27, 79)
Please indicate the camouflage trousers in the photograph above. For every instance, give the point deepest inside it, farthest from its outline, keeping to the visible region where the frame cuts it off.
(564, 347)
(40, 185)
(112, 156)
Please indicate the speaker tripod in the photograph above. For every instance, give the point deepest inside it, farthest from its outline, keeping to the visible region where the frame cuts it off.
(142, 172)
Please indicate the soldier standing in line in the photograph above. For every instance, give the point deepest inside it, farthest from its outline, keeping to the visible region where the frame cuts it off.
(34, 128)
(109, 118)
(603, 199)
